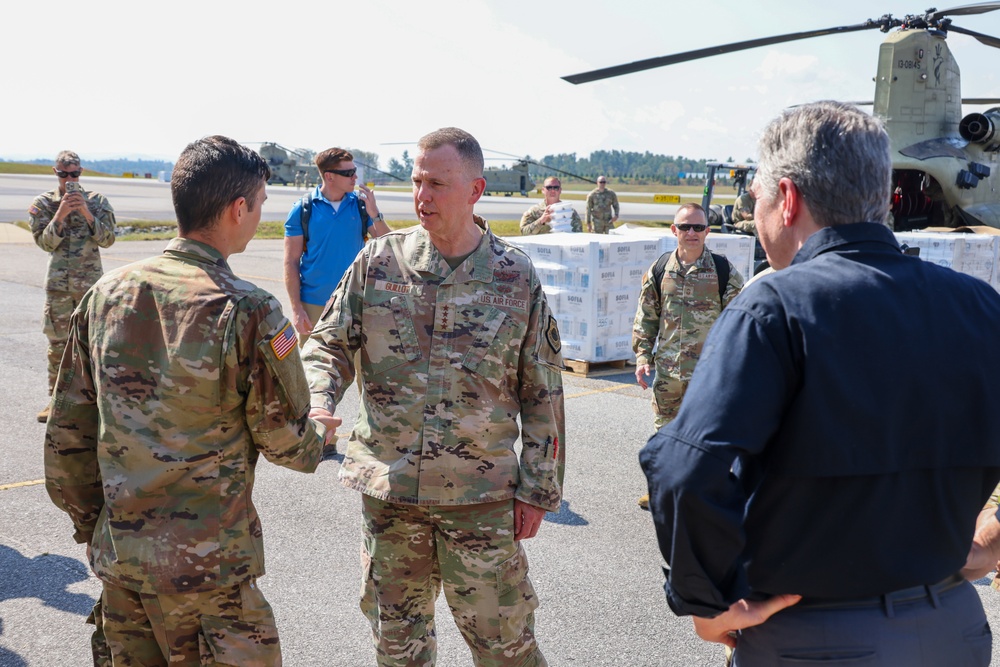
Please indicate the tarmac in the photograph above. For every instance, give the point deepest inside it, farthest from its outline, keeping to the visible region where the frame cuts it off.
(11, 233)
(595, 563)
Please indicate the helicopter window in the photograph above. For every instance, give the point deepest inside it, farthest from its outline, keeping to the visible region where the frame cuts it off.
(917, 200)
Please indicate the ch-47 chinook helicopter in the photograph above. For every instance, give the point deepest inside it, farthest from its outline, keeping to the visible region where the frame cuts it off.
(296, 166)
(288, 165)
(508, 180)
(945, 167)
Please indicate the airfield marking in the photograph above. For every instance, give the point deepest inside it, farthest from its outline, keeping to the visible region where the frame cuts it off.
(34, 482)
(597, 391)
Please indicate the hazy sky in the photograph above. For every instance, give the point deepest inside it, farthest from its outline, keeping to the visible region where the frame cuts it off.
(110, 78)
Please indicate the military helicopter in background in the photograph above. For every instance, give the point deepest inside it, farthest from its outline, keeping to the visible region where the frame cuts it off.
(945, 167)
(508, 180)
(289, 165)
(295, 165)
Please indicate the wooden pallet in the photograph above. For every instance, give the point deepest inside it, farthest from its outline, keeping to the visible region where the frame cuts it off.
(595, 368)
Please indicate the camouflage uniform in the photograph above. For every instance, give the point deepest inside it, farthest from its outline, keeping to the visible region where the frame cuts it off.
(743, 214)
(177, 376)
(601, 207)
(75, 263)
(678, 323)
(449, 359)
(530, 227)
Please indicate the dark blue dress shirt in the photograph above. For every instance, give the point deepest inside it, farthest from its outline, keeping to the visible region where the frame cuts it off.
(840, 433)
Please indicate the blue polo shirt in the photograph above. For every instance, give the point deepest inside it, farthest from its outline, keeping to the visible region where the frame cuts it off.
(334, 241)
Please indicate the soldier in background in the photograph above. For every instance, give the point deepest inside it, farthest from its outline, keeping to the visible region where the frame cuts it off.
(72, 224)
(743, 214)
(177, 376)
(602, 208)
(682, 294)
(456, 343)
(538, 219)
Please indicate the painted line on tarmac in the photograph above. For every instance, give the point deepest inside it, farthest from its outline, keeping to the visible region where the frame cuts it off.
(596, 391)
(15, 485)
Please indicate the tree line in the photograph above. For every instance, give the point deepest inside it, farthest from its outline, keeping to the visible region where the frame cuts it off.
(631, 166)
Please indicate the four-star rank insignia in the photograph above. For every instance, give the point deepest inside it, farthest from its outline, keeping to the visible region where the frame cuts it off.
(552, 335)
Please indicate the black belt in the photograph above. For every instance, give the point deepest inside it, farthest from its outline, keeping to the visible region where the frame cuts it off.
(887, 600)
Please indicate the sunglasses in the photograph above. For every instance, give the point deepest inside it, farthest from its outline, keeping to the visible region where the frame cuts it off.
(553, 187)
(692, 228)
(347, 173)
(69, 174)
(601, 182)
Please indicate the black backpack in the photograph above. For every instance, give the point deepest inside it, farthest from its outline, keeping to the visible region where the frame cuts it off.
(306, 213)
(721, 270)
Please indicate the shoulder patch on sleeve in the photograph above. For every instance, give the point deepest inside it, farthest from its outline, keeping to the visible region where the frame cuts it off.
(552, 335)
(284, 341)
(34, 210)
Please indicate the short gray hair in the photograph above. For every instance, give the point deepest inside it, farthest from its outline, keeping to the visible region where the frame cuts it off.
(468, 148)
(837, 156)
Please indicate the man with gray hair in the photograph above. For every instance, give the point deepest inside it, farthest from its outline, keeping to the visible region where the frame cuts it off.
(779, 509)
(72, 225)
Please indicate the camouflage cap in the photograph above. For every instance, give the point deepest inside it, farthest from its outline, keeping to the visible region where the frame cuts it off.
(68, 157)
(743, 208)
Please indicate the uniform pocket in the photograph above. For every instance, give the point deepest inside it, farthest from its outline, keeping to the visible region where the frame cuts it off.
(487, 356)
(225, 641)
(367, 597)
(390, 339)
(515, 595)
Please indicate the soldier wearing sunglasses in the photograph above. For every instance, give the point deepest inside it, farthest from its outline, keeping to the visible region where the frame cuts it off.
(681, 298)
(539, 218)
(72, 225)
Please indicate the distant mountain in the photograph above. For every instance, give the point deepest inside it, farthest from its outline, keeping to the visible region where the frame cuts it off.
(116, 167)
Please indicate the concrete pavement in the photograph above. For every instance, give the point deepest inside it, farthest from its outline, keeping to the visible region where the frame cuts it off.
(595, 564)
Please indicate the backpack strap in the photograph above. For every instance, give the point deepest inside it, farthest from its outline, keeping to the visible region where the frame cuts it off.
(304, 214)
(365, 219)
(658, 270)
(721, 271)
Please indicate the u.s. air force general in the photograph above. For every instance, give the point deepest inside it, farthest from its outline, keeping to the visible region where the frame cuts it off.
(457, 342)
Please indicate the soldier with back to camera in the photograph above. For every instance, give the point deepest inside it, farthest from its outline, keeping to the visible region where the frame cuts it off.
(177, 376)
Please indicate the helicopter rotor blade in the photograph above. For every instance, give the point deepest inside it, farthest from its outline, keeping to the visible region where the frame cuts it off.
(516, 157)
(965, 100)
(883, 24)
(561, 171)
(964, 10)
(985, 39)
(368, 166)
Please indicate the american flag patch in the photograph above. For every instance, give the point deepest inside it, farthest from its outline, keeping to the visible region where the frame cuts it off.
(283, 341)
(34, 210)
